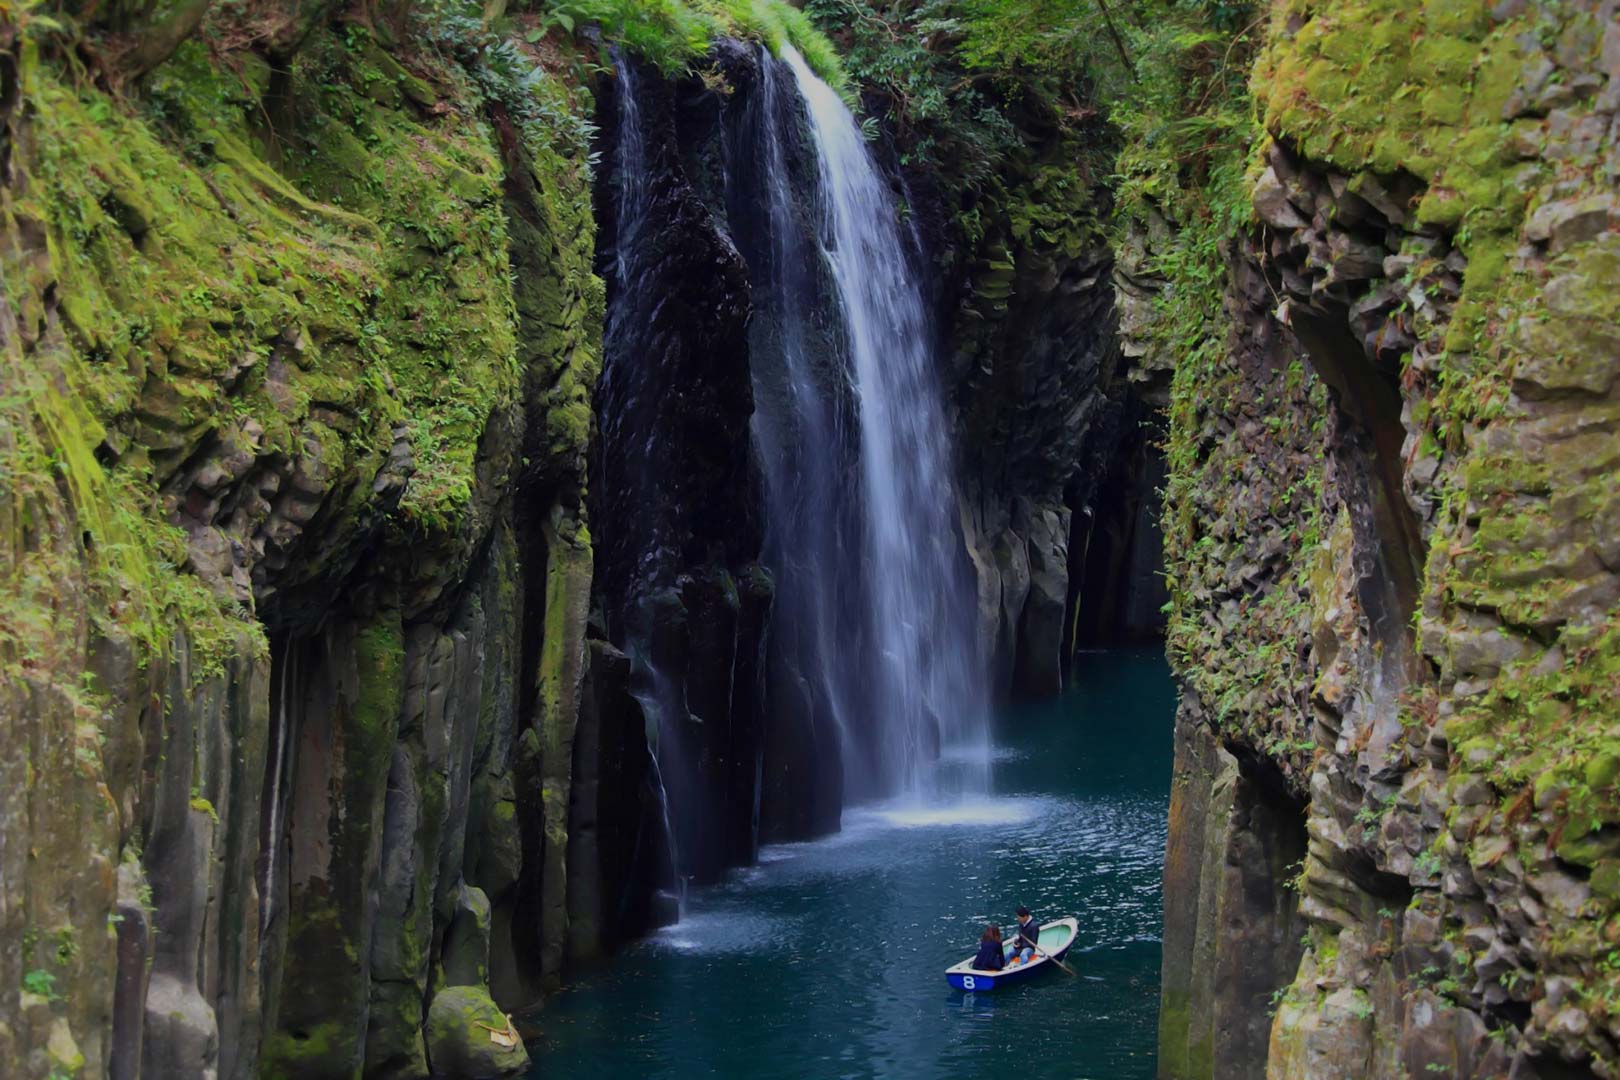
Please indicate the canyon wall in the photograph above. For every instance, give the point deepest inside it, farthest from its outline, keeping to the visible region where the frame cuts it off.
(298, 364)
(1394, 829)
(1056, 426)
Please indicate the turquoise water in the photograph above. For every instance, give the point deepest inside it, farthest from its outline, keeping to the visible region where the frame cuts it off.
(827, 959)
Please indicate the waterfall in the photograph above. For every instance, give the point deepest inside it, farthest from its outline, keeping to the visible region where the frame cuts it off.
(925, 688)
(630, 175)
(804, 429)
(773, 337)
(280, 741)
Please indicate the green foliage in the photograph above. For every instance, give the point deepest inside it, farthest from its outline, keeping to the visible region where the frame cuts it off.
(550, 111)
(1015, 152)
(1046, 41)
(66, 947)
(1188, 125)
(940, 117)
(41, 982)
(1187, 129)
(674, 35)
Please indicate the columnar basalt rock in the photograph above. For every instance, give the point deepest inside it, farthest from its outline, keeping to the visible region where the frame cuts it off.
(1429, 232)
(1044, 408)
(253, 847)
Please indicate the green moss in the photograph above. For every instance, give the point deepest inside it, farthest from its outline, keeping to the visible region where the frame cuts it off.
(1427, 100)
(568, 577)
(121, 232)
(291, 1056)
(180, 257)
(460, 1019)
(439, 319)
(675, 34)
(1182, 1054)
(380, 663)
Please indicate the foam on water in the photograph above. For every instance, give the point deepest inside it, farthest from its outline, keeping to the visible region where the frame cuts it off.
(968, 813)
(723, 931)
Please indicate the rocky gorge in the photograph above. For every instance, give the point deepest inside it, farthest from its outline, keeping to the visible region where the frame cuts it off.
(412, 583)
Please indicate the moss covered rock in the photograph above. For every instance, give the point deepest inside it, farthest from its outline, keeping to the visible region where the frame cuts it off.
(1416, 631)
(469, 1038)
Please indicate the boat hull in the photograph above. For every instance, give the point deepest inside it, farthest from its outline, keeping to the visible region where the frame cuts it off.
(1057, 937)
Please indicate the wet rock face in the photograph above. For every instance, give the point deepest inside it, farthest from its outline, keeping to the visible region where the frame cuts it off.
(1045, 410)
(677, 487)
(675, 490)
(1442, 628)
(1232, 925)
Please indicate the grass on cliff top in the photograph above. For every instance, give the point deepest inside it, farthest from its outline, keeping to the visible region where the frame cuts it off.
(675, 34)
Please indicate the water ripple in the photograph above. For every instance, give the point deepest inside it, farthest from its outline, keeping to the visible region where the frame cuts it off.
(826, 959)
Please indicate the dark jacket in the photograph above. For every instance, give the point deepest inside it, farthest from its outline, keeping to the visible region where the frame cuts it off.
(990, 957)
(1029, 933)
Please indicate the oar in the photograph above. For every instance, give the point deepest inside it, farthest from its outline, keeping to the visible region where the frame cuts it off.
(1049, 956)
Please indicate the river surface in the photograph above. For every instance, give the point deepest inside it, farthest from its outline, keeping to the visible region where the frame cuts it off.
(827, 959)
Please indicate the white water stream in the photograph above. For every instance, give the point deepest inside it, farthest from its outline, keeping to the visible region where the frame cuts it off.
(929, 690)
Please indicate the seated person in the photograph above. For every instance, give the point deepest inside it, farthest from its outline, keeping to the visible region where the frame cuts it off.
(1028, 937)
(989, 957)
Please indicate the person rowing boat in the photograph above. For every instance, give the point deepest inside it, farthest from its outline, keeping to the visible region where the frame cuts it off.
(1028, 939)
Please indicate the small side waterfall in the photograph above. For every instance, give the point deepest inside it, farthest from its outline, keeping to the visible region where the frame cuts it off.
(279, 749)
(675, 487)
(927, 691)
(627, 385)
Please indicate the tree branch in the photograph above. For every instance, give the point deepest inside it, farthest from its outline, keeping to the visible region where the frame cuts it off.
(1119, 42)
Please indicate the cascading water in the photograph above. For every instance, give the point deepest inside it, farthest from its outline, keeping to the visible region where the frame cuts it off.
(625, 323)
(927, 686)
(805, 431)
(280, 739)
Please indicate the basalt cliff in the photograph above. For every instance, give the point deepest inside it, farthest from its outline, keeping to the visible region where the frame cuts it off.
(1394, 828)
